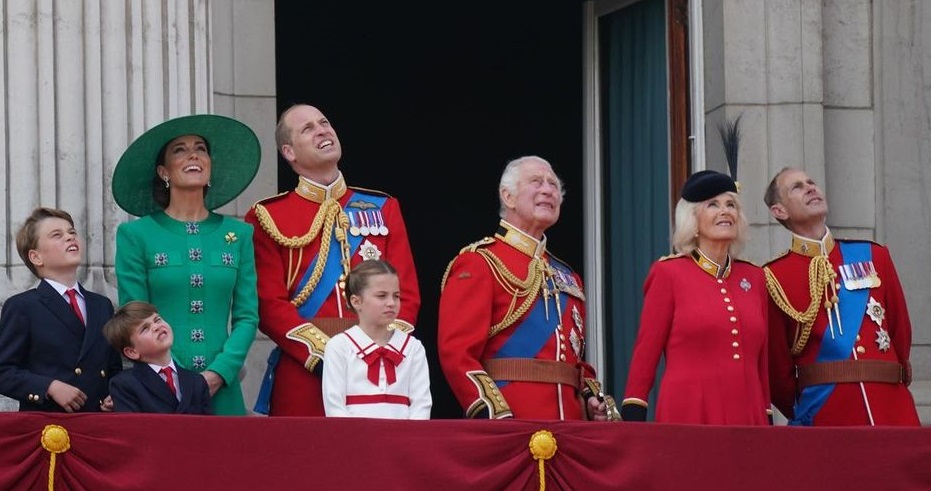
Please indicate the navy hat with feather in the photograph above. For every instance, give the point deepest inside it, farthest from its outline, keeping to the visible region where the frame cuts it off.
(707, 184)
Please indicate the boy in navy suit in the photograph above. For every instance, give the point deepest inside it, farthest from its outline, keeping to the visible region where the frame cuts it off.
(53, 356)
(155, 384)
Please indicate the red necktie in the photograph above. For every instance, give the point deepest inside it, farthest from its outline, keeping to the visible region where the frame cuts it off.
(392, 359)
(169, 379)
(72, 296)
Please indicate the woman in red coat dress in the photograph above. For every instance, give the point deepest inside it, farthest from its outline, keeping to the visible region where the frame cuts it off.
(704, 310)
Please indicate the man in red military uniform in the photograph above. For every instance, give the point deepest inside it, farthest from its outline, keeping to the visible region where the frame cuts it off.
(840, 335)
(511, 333)
(306, 241)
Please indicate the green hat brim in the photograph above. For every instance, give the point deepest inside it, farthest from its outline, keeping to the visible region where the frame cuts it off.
(235, 155)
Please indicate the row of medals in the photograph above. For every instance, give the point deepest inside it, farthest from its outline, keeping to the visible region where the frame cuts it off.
(367, 223)
(860, 275)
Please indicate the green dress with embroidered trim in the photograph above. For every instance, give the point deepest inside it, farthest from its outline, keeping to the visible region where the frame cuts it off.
(201, 277)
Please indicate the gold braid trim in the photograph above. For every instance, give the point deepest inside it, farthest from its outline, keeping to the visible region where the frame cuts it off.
(528, 289)
(820, 275)
(331, 219)
(469, 248)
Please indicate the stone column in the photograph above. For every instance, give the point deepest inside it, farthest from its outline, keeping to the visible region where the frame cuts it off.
(83, 78)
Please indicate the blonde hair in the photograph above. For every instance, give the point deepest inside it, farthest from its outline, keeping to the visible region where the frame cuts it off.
(685, 234)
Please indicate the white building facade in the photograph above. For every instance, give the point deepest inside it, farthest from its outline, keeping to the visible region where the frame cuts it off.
(837, 87)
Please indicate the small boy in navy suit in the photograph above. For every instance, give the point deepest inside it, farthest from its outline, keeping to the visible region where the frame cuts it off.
(53, 356)
(154, 384)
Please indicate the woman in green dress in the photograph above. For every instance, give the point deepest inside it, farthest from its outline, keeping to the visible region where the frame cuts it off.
(195, 265)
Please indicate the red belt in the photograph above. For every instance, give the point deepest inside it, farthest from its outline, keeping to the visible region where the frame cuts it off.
(377, 399)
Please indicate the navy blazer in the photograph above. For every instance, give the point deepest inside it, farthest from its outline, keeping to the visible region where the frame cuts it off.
(41, 340)
(142, 390)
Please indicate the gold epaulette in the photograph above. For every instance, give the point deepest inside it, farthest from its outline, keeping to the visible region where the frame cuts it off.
(370, 191)
(478, 243)
(469, 248)
(670, 256)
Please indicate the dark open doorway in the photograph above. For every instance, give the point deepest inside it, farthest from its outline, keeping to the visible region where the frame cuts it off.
(430, 101)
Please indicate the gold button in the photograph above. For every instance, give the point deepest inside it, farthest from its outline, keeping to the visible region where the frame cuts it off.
(730, 308)
(720, 280)
(562, 337)
(103, 373)
(736, 356)
(562, 357)
(562, 347)
(733, 319)
(728, 300)
(77, 371)
(724, 290)
(735, 344)
(861, 349)
(734, 332)
(858, 337)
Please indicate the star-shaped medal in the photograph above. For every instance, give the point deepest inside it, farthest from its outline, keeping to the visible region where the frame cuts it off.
(876, 312)
(369, 251)
(882, 339)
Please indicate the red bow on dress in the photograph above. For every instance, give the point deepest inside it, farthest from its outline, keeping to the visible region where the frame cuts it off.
(392, 359)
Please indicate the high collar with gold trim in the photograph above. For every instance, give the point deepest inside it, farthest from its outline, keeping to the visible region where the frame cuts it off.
(520, 240)
(318, 193)
(811, 247)
(711, 267)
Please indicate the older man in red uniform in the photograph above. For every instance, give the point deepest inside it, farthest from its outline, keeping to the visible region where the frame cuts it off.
(306, 241)
(511, 331)
(840, 335)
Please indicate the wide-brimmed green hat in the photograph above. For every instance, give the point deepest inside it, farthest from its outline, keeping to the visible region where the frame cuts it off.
(234, 152)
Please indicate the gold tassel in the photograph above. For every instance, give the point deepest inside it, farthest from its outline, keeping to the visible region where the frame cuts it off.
(542, 448)
(54, 439)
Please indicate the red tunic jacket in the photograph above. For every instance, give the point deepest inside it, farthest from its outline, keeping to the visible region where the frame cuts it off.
(711, 329)
(483, 316)
(845, 403)
(296, 390)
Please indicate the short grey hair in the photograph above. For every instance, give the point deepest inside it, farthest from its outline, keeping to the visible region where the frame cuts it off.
(511, 175)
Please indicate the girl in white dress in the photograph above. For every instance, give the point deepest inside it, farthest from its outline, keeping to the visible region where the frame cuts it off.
(373, 370)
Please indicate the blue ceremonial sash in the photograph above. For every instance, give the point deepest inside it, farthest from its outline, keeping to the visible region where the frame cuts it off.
(852, 305)
(309, 309)
(531, 334)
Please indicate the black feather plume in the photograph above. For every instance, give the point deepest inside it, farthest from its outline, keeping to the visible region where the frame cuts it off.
(730, 138)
